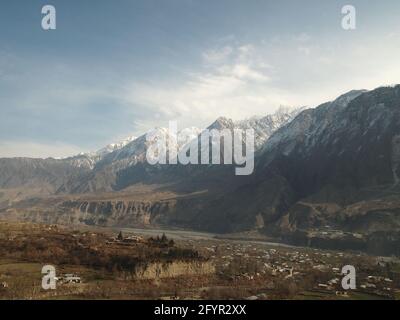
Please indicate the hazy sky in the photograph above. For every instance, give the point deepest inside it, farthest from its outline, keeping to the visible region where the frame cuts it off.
(117, 68)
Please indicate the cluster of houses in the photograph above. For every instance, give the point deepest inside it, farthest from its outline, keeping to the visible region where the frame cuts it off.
(376, 283)
(289, 263)
(68, 278)
(120, 239)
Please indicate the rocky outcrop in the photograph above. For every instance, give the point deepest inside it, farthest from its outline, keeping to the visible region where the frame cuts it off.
(101, 213)
(159, 270)
(396, 159)
(119, 213)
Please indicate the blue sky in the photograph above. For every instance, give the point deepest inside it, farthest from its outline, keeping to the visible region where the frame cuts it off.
(117, 68)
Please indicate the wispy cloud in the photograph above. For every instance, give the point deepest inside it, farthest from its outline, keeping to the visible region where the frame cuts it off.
(241, 80)
(217, 55)
(231, 82)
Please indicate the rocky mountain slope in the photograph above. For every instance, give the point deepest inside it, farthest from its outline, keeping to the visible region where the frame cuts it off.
(331, 173)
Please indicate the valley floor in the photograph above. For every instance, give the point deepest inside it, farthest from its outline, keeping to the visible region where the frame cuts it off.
(100, 263)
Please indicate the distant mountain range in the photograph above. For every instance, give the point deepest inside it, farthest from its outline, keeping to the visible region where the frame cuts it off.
(326, 177)
(98, 171)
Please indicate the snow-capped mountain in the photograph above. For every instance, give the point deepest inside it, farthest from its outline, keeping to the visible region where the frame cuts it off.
(114, 147)
(265, 126)
(135, 151)
(310, 123)
(131, 152)
(334, 165)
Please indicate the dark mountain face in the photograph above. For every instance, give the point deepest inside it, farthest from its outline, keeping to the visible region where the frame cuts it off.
(350, 148)
(335, 166)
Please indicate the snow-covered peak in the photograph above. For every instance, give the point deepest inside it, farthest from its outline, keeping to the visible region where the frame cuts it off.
(343, 100)
(135, 151)
(222, 123)
(114, 146)
(311, 125)
(187, 135)
(265, 126)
